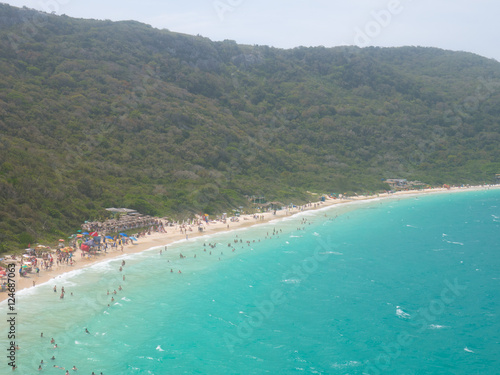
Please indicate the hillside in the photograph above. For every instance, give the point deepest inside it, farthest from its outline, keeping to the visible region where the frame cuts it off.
(100, 114)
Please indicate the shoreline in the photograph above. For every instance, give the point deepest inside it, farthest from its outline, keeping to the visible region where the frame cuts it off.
(173, 234)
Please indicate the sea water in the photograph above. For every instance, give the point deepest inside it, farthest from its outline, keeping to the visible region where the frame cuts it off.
(392, 286)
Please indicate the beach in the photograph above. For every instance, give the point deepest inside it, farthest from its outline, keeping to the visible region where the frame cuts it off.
(174, 234)
(322, 288)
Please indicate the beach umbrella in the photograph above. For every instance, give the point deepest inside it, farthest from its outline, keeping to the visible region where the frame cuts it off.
(79, 235)
(94, 234)
(85, 233)
(123, 234)
(109, 238)
(133, 238)
(61, 240)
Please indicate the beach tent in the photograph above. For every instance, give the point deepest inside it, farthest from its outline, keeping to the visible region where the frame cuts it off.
(89, 243)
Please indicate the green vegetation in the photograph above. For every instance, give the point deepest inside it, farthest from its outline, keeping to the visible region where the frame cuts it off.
(98, 114)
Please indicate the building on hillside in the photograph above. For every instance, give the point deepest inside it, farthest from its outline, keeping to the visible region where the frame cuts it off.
(122, 211)
(397, 183)
(402, 183)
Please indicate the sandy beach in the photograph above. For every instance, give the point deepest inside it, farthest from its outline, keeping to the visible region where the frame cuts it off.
(174, 234)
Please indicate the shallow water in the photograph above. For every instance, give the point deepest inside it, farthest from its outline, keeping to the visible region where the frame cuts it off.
(394, 286)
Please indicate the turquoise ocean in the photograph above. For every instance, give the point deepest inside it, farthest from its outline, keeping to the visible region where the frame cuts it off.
(405, 285)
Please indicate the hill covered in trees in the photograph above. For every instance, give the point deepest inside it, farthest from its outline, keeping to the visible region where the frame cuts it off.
(100, 114)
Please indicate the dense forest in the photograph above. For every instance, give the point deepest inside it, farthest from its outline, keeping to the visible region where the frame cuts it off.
(97, 114)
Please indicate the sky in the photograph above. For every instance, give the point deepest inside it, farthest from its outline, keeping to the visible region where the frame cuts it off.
(459, 25)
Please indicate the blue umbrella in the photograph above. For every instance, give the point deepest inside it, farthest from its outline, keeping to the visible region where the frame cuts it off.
(85, 233)
(109, 238)
(123, 234)
(133, 238)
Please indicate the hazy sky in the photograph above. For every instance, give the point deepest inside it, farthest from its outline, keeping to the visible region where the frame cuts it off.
(463, 25)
